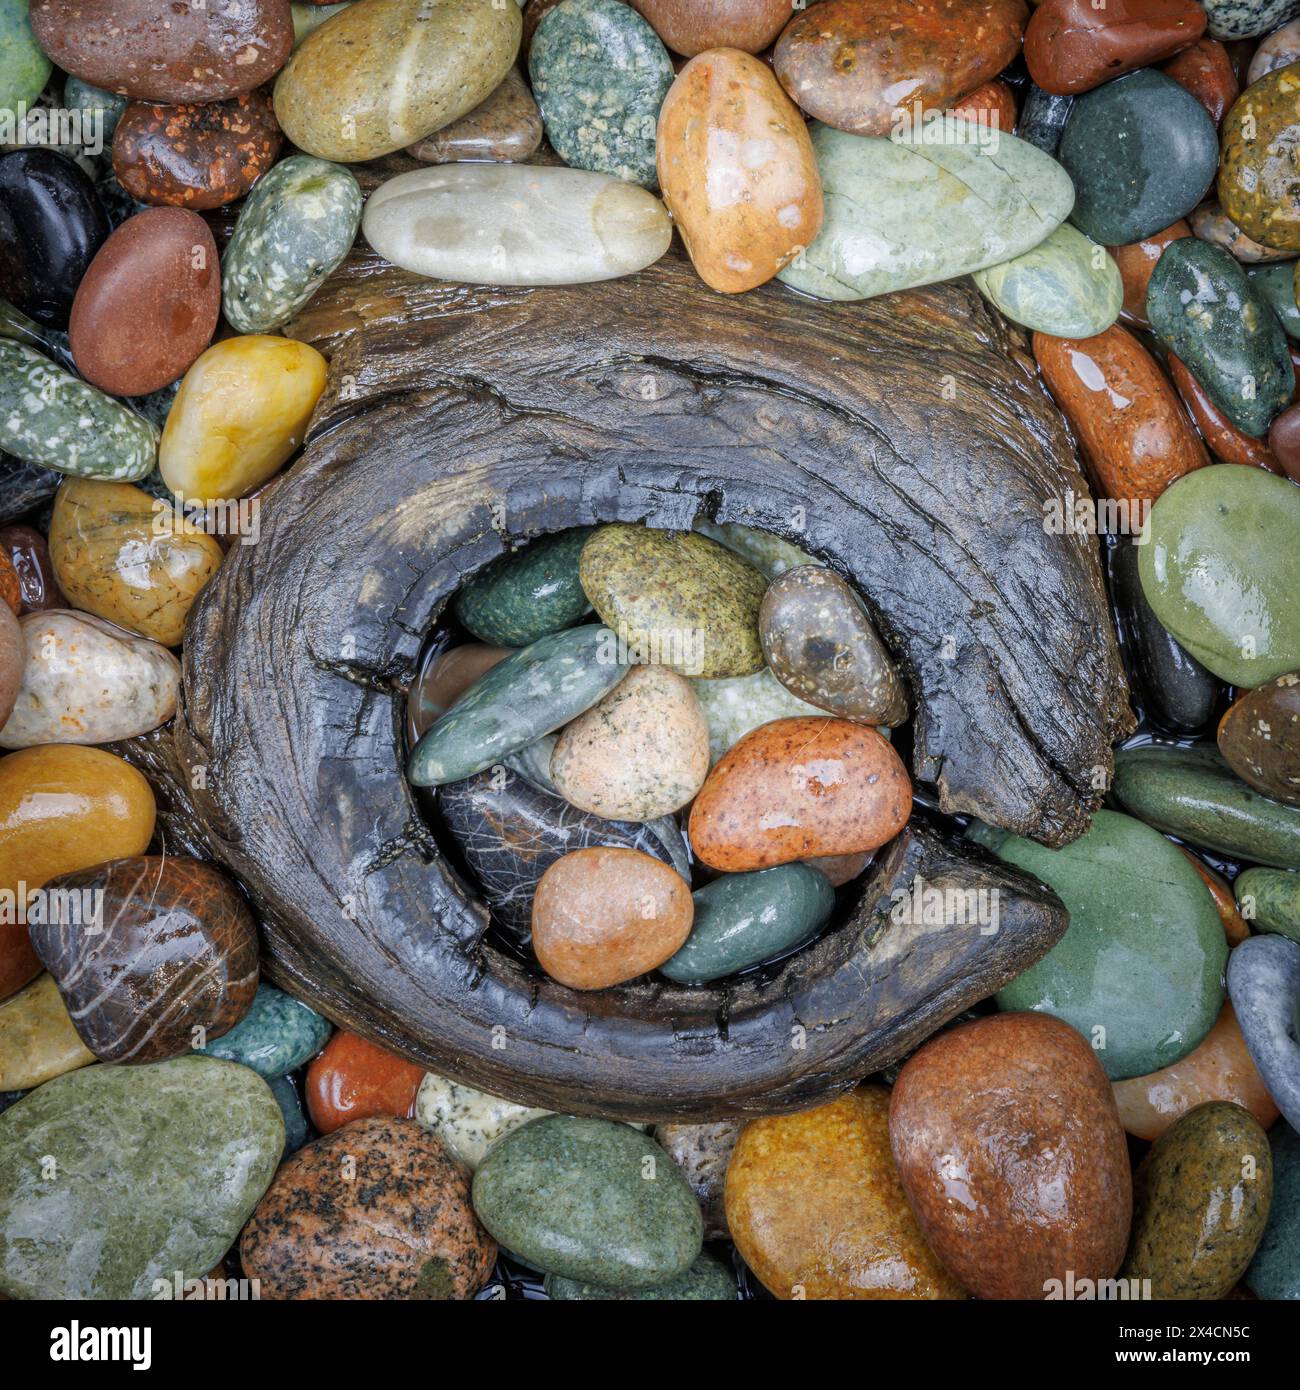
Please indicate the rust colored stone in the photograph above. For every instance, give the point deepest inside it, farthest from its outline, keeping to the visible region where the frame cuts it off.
(800, 788)
(196, 156)
(795, 1179)
(1009, 1147)
(1135, 436)
(994, 103)
(1234, 924)
(1072, 46)
(1226, 442)
(352, 1079)
(689, 27)
(1259, 737)
(148, 304)
(1284, 441)
(11, 592)
(29, 554)
(855, 64)
(1136, 261)
(1206, 71)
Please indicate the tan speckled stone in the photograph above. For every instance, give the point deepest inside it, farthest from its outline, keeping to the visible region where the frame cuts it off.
(642, 752)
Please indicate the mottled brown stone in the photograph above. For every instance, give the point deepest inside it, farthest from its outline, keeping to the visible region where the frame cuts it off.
(1010, 1150)
(689, 27)
(376, 1210)
(1259, 737)
(175, 950)
(197, 156)
(1072, 46)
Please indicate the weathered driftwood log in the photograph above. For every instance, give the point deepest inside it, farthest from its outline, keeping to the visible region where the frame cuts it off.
(906, 441)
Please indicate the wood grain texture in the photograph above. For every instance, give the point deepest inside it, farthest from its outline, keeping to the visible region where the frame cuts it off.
(906, 440)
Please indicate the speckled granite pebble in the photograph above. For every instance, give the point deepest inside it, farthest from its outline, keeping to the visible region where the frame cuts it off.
(599, 75)
(294, 228)
(467, 1121)
(702, 1152)
(375, 1210)
(50, 418)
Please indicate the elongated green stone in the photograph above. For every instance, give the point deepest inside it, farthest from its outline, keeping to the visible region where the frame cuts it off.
(49, 417)
(1066, 286)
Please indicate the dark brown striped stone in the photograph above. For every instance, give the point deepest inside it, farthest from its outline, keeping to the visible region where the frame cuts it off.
(175, 951)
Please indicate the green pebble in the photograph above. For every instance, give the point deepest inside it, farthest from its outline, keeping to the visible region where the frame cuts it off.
(1143, 957)
(24, 68)
(676, 599)
(276, 1035)
(707, 1281)
(95, 104)
(530, 694)
(527, 594)
(294, 228)
(744, 919)
(112, 1178)
(600, 74)
(1065, 286)
(1269, 900)
(49, 417)
(1203, 307)
(1276, 285)
(591, 1200)
(1274, 1273)
(1219, 570)
(901, 213)
(1194, 794)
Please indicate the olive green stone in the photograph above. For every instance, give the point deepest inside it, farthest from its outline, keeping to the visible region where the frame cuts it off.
(1065, 286)
(1203, 307)
(592, 1200)
(1220, 567)
(112, 1178)
(744, 919)
(707, 1280)
(1275, 284)
(1269, 900)
(1201, 1200)
(526, 595)
(1141, 152)
(1139, 971)
(1261, 148)
(1194, 794)
(675, 599)
(762, 549)
(599, 75)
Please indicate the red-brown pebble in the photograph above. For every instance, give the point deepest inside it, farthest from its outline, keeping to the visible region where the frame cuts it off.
(797, 789)
(376, 1210)
(1010, 1149)
(353, 1079)
(1135, 436)
(196, 156)
(149, 303)
(690, 26)
(1072, 46)
(1227, 443)
(1136, 261)
(1284, 441)
(994, 104)
(1206, 71)
(29, 554)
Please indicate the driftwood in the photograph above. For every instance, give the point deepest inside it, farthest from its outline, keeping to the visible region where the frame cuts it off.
(906, 441)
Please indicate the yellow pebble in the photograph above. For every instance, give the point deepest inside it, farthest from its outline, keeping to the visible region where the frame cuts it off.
(241, 411)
